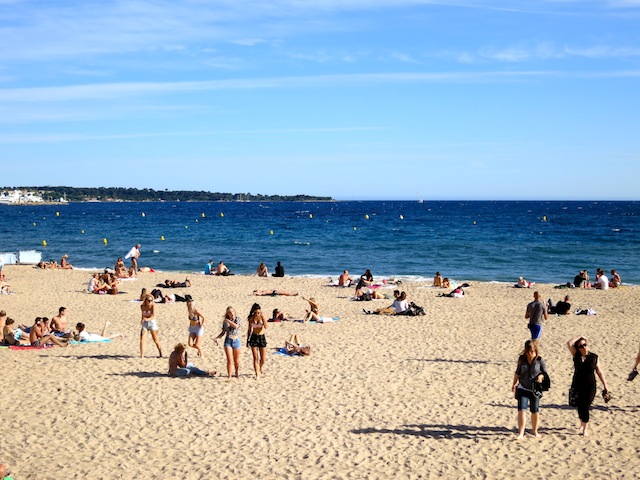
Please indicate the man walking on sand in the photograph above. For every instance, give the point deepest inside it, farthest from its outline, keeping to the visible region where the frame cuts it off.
(536, 311)
(133, 254)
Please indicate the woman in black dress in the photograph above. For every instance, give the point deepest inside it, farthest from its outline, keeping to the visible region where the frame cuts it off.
(586, 367)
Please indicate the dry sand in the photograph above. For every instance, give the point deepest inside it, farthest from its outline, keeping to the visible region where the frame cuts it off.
(380, 396)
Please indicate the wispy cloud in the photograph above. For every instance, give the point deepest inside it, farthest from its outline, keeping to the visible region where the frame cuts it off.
(59, 138)
(602, 51)
(50, 30)
(119, 90)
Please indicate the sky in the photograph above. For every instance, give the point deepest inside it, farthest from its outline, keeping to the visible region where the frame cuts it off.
(352, 99)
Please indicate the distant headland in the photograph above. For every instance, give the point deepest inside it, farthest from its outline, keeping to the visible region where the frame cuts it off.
(40, 195)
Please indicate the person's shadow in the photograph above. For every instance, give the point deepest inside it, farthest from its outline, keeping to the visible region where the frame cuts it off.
(440, 431)
(142, 374)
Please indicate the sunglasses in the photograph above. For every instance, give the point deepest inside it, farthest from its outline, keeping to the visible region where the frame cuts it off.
(582, 345)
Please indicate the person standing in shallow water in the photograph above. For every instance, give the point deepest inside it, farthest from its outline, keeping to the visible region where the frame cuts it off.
(536, 312)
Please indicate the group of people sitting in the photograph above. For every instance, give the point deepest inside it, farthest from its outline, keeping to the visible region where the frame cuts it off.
(47, 332)
(602, 282)
(121, 270)
(53, 265)
(43, 332)
(440, 282)
(103, 283)
(221, 269)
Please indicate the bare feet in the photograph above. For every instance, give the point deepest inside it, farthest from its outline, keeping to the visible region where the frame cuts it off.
(519, 437)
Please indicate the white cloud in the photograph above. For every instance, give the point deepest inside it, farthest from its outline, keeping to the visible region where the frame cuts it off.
(602, 51)
(125, 89)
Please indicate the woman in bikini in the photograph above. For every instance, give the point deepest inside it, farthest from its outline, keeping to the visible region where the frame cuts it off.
(257, 324)
(232, 344)
(314, 310)
(196, 326)
(148, 323)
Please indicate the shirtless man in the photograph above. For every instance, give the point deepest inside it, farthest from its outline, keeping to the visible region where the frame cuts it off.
(345, 280)
(222, 269)
(59, 324)
(134, 254)
(64, 264)
(39, 338)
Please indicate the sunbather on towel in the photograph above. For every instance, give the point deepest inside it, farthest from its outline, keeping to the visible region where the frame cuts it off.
(82, 335)
(293, 346)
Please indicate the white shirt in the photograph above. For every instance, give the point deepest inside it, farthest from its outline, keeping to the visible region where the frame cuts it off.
(603, 282)
(400, 305)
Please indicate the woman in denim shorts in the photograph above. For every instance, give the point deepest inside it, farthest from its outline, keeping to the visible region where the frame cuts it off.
(232, 343)
(528, 371)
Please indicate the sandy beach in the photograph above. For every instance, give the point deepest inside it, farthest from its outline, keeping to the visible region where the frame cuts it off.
(379, 397)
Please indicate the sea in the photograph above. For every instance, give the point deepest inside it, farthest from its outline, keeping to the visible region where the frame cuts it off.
(543, 241)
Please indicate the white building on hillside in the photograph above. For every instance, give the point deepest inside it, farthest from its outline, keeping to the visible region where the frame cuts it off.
(19, 196)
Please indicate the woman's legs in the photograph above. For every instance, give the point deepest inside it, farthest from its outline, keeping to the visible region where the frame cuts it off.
(255, 351)
(522, 418)
(236, 360)
(142, 343)
(584, 404)
(229, 352)
(263, 357)
(534, 423)
(197, 346)
(154, 335)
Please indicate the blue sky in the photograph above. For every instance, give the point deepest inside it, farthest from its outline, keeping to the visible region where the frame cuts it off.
(354, 99)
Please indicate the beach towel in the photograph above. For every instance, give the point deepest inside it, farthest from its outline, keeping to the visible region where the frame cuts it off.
(283, 352)
(28, 347)
(83, 342)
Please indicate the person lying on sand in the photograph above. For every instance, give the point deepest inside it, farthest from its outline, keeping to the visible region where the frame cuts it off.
(274, 293)
(81, 335)
(294, 346)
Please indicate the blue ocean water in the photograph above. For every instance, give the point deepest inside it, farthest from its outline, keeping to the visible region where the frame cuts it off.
(501, 240)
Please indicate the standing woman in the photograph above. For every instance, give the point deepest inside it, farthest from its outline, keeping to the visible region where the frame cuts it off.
(584, 380)
(148, 323)
(196, 325)
(257, 324)
(232, 344)
(528, 371)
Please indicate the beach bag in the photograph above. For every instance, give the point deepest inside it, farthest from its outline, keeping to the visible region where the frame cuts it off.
(573, 397)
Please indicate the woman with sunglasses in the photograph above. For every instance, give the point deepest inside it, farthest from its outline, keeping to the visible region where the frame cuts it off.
(586, 367)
